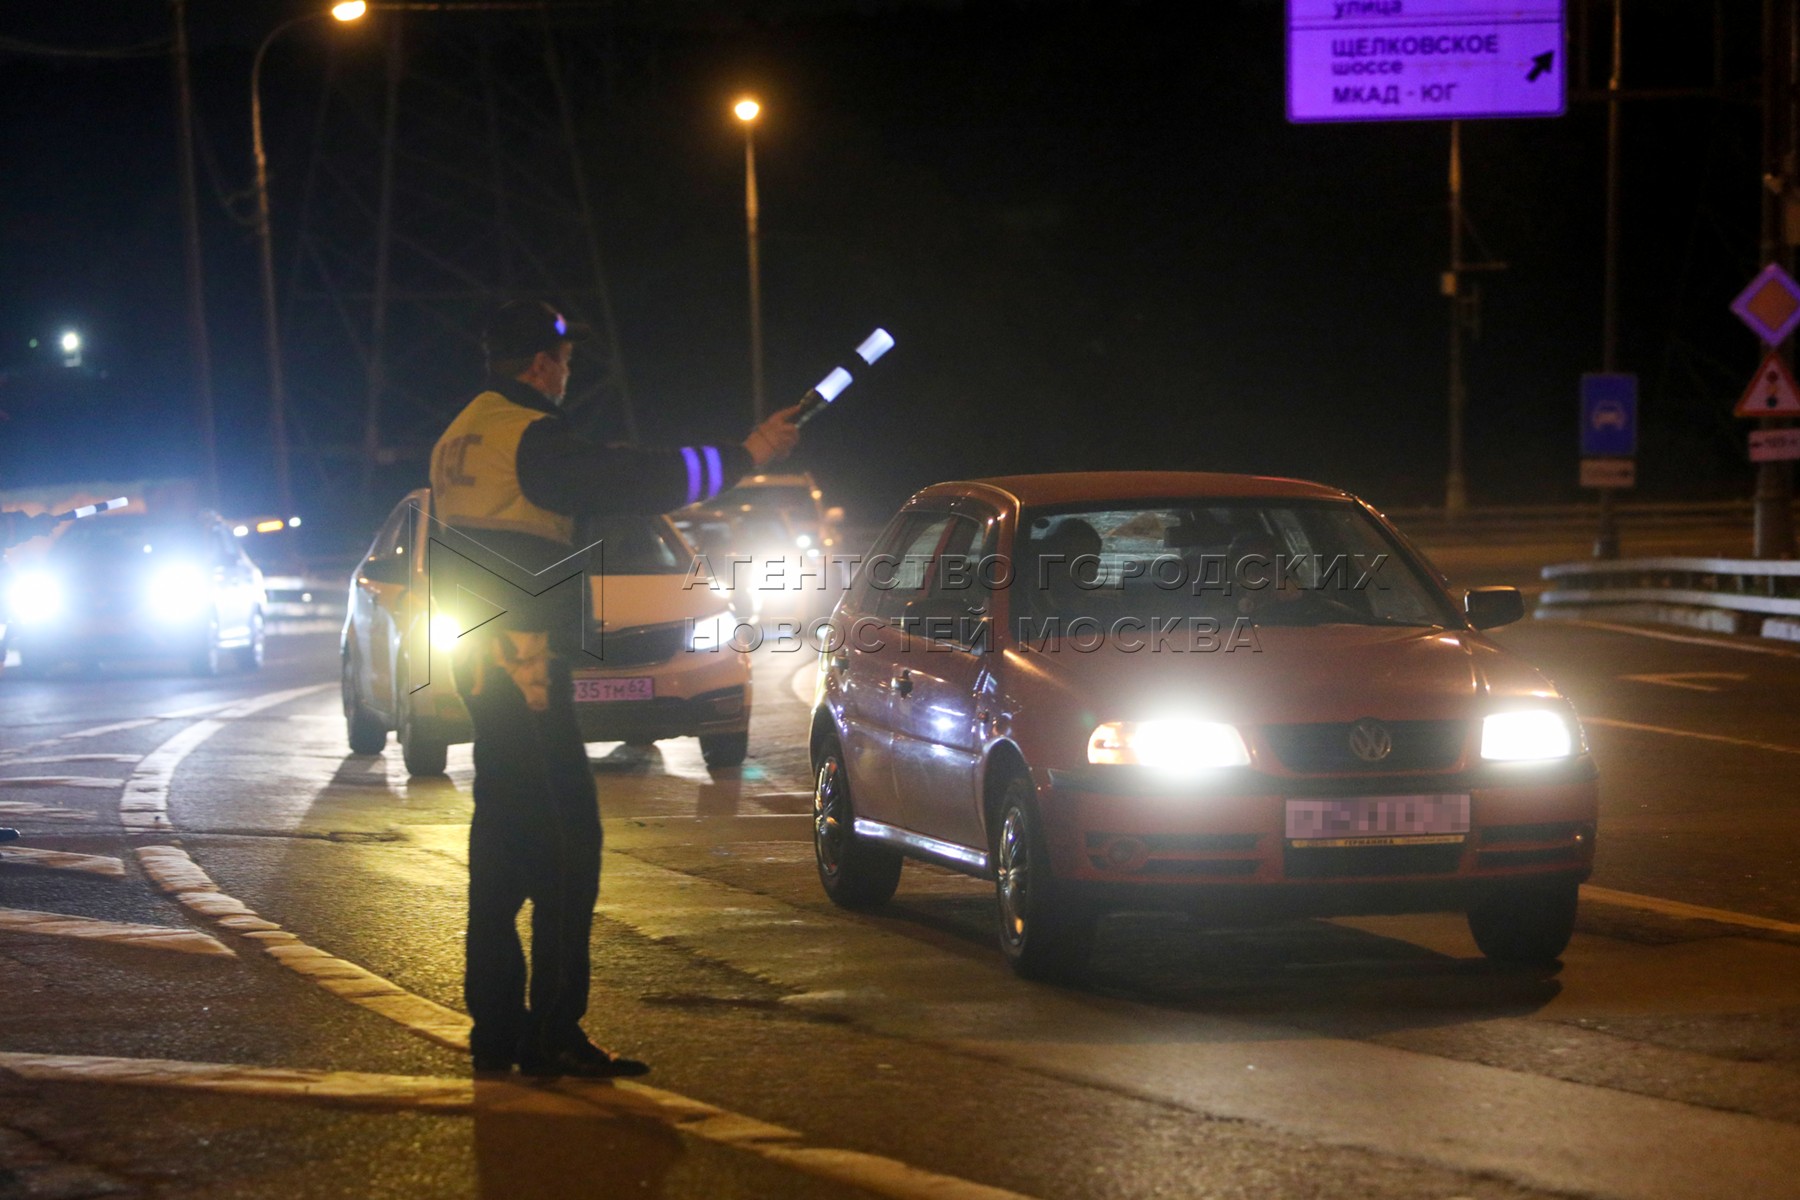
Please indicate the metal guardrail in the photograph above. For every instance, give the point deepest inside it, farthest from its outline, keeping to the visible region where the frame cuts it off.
(1729, 595)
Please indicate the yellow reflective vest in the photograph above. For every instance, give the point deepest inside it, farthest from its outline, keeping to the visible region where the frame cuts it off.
(475, 473)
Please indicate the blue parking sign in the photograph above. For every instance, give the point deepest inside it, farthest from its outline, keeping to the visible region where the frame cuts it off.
(1608, 415)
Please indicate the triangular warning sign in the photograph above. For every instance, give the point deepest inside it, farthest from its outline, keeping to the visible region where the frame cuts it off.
(1772, 393)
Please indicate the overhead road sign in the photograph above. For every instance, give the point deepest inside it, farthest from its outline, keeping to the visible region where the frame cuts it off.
(1424, 60)
(1770, 306)
(1608, 415)
(1609, 472)
(1774, 445)
(1772, 391)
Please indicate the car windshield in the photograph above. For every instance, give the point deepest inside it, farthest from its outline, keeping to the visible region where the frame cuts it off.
(638, 546)
(128, 537)
(1277, 563)
(779, 496)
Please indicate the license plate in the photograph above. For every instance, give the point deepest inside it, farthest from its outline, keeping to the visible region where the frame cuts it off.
(1378, 820)
(595, 691)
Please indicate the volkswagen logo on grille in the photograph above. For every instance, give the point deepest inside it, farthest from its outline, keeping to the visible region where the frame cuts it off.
(1371, 741)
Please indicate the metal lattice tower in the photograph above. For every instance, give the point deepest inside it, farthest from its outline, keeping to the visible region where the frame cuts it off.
(444, 176)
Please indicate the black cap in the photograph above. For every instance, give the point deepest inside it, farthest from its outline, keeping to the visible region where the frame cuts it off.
(521, 328)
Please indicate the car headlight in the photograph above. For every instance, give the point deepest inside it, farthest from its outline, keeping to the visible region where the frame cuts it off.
(1535, 733)
(712, 633)
(1173, 744)
(179, 592)
(34, 597)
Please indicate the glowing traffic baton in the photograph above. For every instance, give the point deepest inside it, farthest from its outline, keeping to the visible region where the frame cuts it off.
(832, 386)
(88, 510)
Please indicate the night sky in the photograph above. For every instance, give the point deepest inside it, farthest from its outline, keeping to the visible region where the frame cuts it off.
(1098, 241)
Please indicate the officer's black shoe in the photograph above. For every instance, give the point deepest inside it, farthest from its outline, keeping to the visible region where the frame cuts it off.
(583, 1060)
(493, 1064)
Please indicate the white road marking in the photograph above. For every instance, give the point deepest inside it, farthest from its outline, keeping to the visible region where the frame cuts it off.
(570, 1098)
(1543, 1132)
(181, 877)
(74, 758)
(803, 681)
(145, 805)
(61, 860)
(1690, 912)
(1686, 679)
(103, 730)
(49, 812)
(97, 782)
(1719, 643)
(1611, 723)
(149, 937)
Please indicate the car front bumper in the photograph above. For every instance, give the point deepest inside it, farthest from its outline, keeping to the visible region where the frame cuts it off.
(1126, 835)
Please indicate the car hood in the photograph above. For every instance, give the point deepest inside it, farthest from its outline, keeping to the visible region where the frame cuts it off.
(1280, 675)
(629, 601)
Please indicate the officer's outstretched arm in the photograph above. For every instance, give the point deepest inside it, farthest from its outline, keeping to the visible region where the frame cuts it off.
(568, 474)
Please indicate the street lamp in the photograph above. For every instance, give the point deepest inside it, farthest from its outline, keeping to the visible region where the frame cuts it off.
(349, 10)
(747, 111)
(71, 348)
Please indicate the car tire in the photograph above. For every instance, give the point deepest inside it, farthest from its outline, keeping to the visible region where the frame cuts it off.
(724, 749)
(1525, 925)
(206, 659)
(367, 735)
(1044, 933)
(422, 748)
(250, 657)
(855, 873)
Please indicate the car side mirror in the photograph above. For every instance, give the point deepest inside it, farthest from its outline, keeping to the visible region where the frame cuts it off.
(1492, 607)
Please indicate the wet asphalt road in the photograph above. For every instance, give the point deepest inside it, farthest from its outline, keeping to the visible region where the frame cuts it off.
(884, 1055)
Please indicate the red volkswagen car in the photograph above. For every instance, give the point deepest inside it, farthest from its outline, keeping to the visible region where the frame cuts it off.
(1227, 694)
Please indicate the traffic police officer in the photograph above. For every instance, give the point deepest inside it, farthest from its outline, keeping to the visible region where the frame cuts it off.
(509, 478)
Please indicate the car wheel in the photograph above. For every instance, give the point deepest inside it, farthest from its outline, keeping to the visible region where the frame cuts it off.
(205, 661)
(724, 749)
(367, 734)
(422, 749)
(854, 873)
(250, 658)
(1527, 925)
(1044, 933)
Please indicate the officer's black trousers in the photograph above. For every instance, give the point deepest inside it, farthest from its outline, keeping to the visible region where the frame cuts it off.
(535, 836)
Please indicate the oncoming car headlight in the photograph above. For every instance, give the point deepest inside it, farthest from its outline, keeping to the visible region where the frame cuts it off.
(180, 591)
(1535, 733)
(1173, 744)
(34, 597)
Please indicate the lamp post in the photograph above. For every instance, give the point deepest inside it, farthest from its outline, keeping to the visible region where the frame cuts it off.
(747, 111)
(349, 10)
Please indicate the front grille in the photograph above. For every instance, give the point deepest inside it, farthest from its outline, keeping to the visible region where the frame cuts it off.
(643, 645)
(1325, 748)
(1370, 862)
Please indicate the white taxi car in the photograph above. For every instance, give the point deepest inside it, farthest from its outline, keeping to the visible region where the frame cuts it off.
(670, 667)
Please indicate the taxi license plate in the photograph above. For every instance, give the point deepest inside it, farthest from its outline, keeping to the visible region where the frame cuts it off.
(595, 691)
(1378, 821)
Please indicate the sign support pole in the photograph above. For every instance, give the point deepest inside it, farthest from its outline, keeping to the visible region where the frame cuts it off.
(1606, 535)
(1456, 494)
(1774, 504)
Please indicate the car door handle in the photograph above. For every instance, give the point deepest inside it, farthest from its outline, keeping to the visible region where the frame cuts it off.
(903, 682)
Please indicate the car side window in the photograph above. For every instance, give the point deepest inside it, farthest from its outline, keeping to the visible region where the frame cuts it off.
(900, 574)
